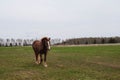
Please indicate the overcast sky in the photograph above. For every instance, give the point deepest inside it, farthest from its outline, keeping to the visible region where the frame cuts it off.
(59, 18)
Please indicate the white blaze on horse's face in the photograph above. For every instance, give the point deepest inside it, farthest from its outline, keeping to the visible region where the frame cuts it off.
(48, 45)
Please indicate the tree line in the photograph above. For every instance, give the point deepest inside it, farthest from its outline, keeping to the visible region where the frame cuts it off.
(23, 42)
(91, 40)
(57, 41)
(15, 42)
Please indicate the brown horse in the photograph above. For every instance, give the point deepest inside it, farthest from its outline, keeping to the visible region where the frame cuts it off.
(40, 48)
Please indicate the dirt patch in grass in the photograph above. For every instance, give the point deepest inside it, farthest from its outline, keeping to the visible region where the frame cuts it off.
(107, 64)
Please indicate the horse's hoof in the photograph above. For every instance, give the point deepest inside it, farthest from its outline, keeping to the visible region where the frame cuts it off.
(45, 65)
(37, 62)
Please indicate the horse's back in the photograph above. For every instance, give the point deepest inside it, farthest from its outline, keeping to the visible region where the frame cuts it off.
(36, 42)
(36, 45)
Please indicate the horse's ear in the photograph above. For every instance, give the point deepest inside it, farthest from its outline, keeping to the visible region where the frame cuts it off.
(49, 38)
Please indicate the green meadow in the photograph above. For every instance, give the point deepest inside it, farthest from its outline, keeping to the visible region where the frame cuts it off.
(64, 63)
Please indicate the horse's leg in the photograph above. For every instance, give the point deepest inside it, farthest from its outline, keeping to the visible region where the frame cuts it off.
(41, 60)
(36, 55)
(45, 64)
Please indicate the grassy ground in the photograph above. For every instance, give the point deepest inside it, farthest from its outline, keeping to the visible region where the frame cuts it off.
(64, 63)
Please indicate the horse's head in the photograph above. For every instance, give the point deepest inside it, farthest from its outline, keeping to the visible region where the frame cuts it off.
(46, 43)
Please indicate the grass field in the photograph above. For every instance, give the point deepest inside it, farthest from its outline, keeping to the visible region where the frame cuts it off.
(64, 63)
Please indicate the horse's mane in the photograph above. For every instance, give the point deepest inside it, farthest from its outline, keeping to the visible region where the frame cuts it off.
(44, 38)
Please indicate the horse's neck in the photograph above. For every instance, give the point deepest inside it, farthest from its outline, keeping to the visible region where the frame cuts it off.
(42, 45)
